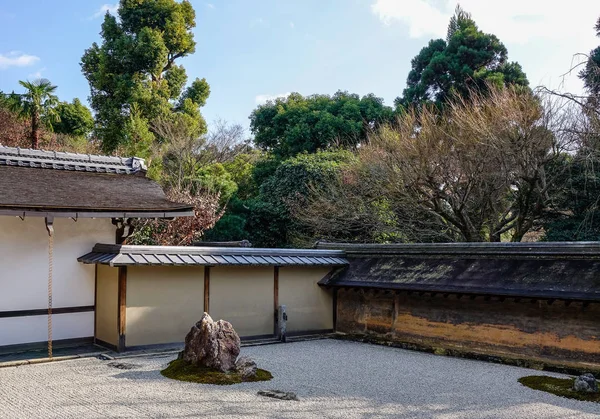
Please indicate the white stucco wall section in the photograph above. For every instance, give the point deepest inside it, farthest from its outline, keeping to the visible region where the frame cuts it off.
(19, 330)
(24, 275)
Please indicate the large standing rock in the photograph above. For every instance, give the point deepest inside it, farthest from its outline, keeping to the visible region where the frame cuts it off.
(586, 383)
(212, 344)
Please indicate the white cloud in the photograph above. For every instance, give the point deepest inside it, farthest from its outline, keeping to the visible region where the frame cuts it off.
(421, 17)
(210, 5)
(37, 74)
(292, 25)
(541, 35)
(17, 59)
(516, 21)
(110, 8)
(262, 99)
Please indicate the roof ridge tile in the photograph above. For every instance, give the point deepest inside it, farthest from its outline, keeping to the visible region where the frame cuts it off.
(59, 160)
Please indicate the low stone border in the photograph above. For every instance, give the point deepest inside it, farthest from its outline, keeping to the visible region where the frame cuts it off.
(456, 353)
(46, 360)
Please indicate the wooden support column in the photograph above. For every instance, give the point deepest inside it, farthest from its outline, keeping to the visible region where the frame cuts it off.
(335, 304)
(95, 298)
(206, 289)
(276, 300)
(122, 307)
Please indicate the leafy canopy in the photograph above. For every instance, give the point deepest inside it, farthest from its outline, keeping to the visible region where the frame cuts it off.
(296, 124)
(467, 59)
(75, 119)
(37, 104)
(135, 65)
(591, 72)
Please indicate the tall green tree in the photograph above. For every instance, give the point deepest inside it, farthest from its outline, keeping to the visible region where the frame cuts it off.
(576, 204)
(591, 72)
(136, 66)
(75, 119)
(38, 105)
(296, 124)
(267, 219)
(467, 59)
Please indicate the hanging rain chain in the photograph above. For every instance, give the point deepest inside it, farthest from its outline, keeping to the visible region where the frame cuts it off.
(50, 258)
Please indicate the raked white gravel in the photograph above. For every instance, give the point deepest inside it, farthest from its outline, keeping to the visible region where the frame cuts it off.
(333, 379)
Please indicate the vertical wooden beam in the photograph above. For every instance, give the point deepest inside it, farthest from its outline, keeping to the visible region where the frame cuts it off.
(276, 300)
(335, 304)
(95, 298)
(206, 289)
(122, 307)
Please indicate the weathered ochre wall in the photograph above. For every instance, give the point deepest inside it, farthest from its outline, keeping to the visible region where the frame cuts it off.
(309, 307)
(244, 297)
(163, 302)
(556, 333)
(107, 304)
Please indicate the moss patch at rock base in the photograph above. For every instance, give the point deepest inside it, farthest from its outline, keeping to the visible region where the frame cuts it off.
(562, 387)
(183, 371)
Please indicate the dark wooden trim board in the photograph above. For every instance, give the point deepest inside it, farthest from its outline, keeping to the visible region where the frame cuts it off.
(256, 337)
(44, 311)
(276, 300)
(43, 345)
(310, 332)
(206, 289)
(122, 307)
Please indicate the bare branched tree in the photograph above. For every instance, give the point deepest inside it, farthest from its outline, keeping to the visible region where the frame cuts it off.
(224, 142)
(182, 231)
(474, 173)
(180, 154)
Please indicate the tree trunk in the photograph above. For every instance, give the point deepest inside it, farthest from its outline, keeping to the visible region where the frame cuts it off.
(35, 130)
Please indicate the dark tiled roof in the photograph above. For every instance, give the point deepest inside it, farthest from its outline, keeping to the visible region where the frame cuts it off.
(118, 255)
(36, 182)
(11, 156)
(568, 271)
(536, 250)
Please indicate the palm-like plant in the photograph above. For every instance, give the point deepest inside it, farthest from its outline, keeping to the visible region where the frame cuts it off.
(38, 105)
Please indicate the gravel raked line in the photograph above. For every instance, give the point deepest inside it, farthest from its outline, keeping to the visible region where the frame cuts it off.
(333, 379)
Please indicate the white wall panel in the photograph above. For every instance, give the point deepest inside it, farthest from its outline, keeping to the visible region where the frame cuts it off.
(24, 261)
(24, 276)
(17, 330)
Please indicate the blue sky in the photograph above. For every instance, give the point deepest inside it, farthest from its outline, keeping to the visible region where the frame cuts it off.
(253, 50)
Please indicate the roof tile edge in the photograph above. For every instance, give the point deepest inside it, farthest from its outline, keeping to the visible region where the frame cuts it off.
(59, 159)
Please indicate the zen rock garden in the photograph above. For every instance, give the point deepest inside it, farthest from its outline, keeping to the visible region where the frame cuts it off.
(210, 356)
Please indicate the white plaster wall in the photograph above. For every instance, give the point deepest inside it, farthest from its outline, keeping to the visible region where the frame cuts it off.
(24, 270)
(18, 330)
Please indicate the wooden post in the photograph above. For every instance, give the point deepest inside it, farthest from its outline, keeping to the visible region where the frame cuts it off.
(335, 304)
(276, 300)
(122, 307)
(206, 289)
(95, 298)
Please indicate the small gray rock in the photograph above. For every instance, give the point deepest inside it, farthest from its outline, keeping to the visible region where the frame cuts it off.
(122, 365)
(277, 394)
(586, 383)
(246, 367)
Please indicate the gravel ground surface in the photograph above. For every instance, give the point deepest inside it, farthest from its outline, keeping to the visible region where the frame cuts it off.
(333, 379)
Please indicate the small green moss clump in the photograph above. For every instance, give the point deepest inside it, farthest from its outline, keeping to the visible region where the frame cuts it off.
(562, 387)
(183, 371)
